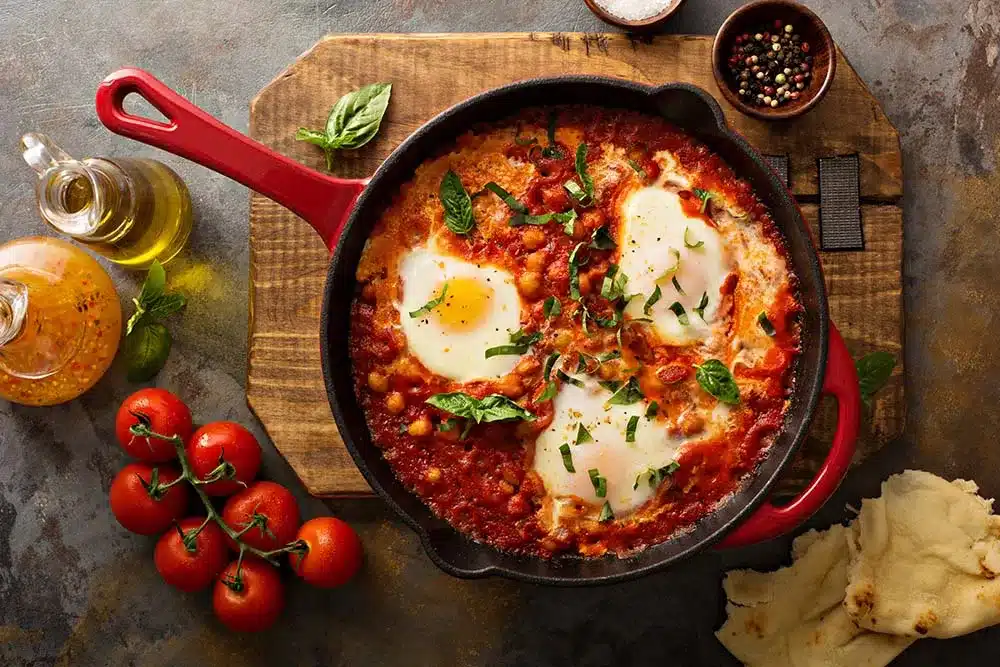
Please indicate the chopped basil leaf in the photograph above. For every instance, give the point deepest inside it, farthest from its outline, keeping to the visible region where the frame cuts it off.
(874, 370)
(608, 356)
(765, 324)
(565, 219)
(672, 269)
(551, 307)
(613, 287)
(606, 513)
(449, 424)
(581, 171)
(549, 363)
(577, 193)
(657, 475)
(492, 408)
(651, 301)
(628, 394)
(638, 169)
(704, 196)
(689, 241)
(582, 362)
(567, 457)
(583, 435)
(552, 150)
(681, 314)
(507, 197)
(571, 380)
(610, 385)
(465, 431)
(574, 272)
(633, 423)
(715, 378)
(403, 428)
(584, 314)
(549, 393)
(651, 411)
(700, 308)
(600, 483)
(457, 204)
(520, 342)
(677, 286)
(568, 221)
(601, 239)
(430, 305)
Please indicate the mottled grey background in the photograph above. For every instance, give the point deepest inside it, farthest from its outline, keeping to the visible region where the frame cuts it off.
(75, 589)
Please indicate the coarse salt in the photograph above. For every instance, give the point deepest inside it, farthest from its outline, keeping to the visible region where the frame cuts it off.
(634, 10)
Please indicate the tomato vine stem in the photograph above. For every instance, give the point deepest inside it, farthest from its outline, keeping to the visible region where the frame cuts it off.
(141, 430)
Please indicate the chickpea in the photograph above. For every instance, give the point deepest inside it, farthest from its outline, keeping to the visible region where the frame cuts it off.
(395, 403)
(562, 340)
(527, 366)
(533, 238)
(378, 382)
(420, 428)
(529, 282)
(511, 386)
(536, 261)
(433, 475)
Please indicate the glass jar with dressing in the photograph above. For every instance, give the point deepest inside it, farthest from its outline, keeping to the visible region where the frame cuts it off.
(132, 211)
(60, 321)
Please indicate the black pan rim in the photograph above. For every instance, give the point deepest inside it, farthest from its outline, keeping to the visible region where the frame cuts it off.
(807, 393)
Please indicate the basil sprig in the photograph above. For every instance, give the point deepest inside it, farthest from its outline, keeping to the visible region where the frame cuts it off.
(457, 204)
(352, 122)
(715, 378)
(874, 370)
(519, 344)
(430, 305)
(147, 342)
(492, 408)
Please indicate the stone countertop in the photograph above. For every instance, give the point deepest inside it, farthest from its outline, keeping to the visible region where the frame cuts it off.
(76, 589)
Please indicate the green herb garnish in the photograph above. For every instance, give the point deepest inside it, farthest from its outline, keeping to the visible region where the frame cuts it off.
(552, 150)
(565, 219)
(601, 239)
(656, 475)
(581, 171)
(700, 308)
(672, 269)
(583, 435)
(627, 394)
(574, 272)
(874, 370)
(765, 324)
(430, 305)
(652, 410)
(571, 380)
(519, 344)
(457, 204)
(549, 363)
(677, 286)
(651, 301)
(552, 307)
(147, 341)
(523, 141)
(613, 286)
(507, 197)
(352, 122)
(715, 378)
(606, 512)
(689, 241)
(633, 423)
(609, 355)
(600, 483)
(681, 314)
(549, 393)
(638, 169)
(704, 196)
(577, 193)
(449, 424)
(567, 457)
(492, 408)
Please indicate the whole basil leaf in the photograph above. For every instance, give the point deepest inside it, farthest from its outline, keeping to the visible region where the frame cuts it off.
(314, 137)
(492, 408)
(166, 305)
(874, 370)
(146, 350)
(457, 204)
(356, 117)
(715, 378)
(156, 281)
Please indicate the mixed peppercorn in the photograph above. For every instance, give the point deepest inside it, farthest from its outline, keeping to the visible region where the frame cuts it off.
(771, 67)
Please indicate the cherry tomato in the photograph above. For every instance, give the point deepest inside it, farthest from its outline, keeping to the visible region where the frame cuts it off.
(270, 508)
(163, 413)
(227, 440)
(145, 510)
(251, 600)
(194, 565)
(333, 552)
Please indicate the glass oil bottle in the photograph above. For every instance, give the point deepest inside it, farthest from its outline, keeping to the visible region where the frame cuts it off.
(130, 210)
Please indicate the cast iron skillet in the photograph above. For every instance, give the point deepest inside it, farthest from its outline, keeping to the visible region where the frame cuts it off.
(344, 211)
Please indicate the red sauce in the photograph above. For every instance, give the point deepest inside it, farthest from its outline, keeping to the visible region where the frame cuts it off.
(483, 485)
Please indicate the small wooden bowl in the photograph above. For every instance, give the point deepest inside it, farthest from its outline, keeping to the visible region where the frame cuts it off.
(650, 24)
(749, 19)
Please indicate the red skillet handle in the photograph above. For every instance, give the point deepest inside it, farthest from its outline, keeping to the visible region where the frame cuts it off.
(323, 201)
(842, 382)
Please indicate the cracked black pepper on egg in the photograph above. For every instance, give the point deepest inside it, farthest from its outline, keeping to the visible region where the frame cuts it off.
(770, 69)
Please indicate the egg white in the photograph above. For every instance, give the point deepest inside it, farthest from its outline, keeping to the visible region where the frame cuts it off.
(457, 354)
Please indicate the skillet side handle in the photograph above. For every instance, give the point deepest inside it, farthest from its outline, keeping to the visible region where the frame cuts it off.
(769, 521)
(323, 201)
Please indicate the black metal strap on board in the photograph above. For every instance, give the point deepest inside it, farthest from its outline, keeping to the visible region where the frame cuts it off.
(840, 203)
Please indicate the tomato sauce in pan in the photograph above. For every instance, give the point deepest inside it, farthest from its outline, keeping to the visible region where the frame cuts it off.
(483, 484)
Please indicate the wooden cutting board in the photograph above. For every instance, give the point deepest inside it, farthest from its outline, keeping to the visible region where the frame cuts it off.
(432, 72)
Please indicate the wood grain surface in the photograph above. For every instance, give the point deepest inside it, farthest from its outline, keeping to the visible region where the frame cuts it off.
(432, 72)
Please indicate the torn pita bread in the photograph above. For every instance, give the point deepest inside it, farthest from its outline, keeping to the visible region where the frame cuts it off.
(794, 617)
(924, 559)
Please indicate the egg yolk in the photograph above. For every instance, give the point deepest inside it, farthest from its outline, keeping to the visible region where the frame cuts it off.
(465, 305)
